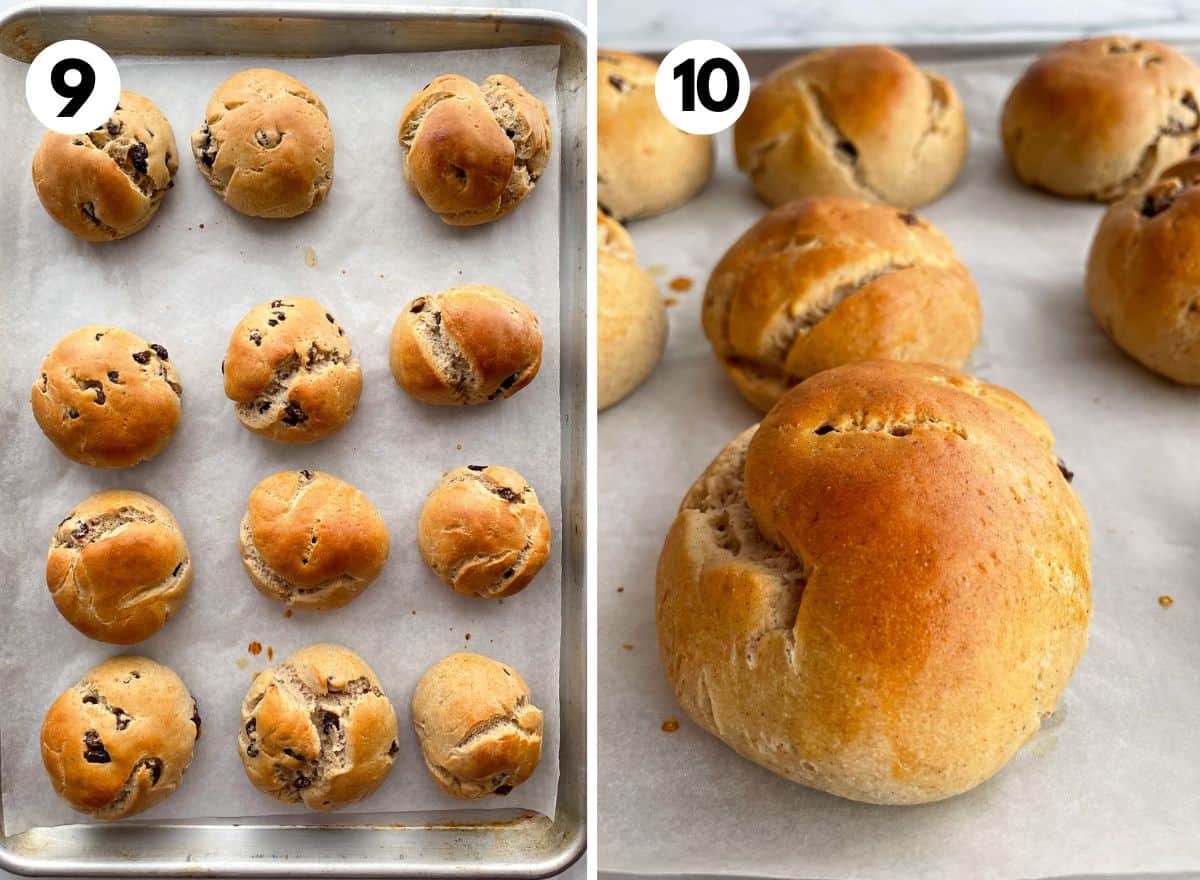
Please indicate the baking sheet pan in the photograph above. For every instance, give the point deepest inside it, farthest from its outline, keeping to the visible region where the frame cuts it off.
(1112, 784)
(184, 282)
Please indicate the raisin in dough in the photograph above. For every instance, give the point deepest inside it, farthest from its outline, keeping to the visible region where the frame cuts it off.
(473, 153)
(107, 398)
(109, 182)
(291, 373)
(479, 730)
(317, 729)
(484, 532)
(465, 346)
(119, 740)
(266, 145)
(118, 567)
(311, 540)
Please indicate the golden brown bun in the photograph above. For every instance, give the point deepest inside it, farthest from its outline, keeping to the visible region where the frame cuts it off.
(473, 153)
(291, 373)
(266, 146)
(118, 567)
(479, 732)
(118, 741)
(1100, 117)
(827, 281)
(318, 729)
(484, 532)
(1143, 274)
(645, 165)
(882, 590)
(860, 121)
(631, 325)
(311, 541)
(465, 345)
(107, 398)
(108, 183)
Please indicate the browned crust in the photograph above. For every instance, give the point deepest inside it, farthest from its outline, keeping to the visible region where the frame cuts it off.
(466, 345)
(479, 730)
(859, 121)
(473, 153)
(118, 741)
(102, 421)
(118, 567)
(825, 281)
(483, 532)
(894, 598)
(1100, 117)
(1143, 274)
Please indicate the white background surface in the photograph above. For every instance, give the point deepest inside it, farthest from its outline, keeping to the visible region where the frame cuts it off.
(576, 8)
(1114, 787)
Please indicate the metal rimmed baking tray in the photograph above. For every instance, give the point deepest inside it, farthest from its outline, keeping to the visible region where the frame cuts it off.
(1111, 786)
(512, 843)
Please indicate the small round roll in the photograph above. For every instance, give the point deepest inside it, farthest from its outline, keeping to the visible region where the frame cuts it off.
(119, 740)
(1101, 117)
(311, 540)
(291, 373)
(266, 145)
(473, 153)
(107, 398)
(318, 729)
(828, 281)
(479, 730)
(464, 346)
(108, 183)
(861, 121)
(644, 164)
(882, 590)
(1143, 274)
(631, 320)
(118, 567)
(483, 532)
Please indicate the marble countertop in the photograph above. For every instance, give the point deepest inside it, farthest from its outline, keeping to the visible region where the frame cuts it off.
(661, 24)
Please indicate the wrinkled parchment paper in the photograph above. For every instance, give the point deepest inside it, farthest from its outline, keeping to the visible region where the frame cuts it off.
(184, 282)
(1113, 785)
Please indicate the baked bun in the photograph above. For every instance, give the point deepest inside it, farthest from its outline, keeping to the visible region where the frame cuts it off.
(860, 121)
(311, 541)
(119, 740)
(291, 373)
(473, 153)
(118, 567)
(827, 281)
(881, 590)
(631, 323)
(644, 164)
(317, 729)
(1098, 118)
(108, 183)
(479, 732)
(266, 145)
(1143, 274)
(484, 532)
(107, 398)
(465, 345)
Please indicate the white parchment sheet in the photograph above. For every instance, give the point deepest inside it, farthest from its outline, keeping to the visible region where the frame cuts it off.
(1113, 786)
(184, 282)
